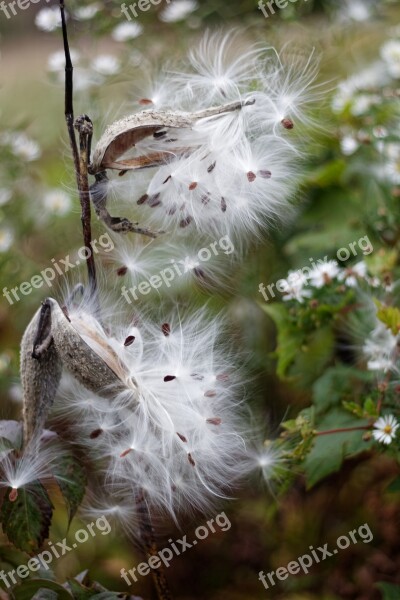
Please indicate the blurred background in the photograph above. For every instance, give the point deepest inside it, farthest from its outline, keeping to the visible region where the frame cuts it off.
(338, 202)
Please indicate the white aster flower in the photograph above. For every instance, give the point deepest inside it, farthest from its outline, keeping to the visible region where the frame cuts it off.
(6, 239)
(106, 64)
(390, 53)
(126, 31)
(368, 79)
(85, 13)
(57, 202)
(349, 145)
(25, 148)
(294, 287)
(385, 429)
(178, 10)
(48, 19)
(363, 102)
(322, 274)
(351, 275)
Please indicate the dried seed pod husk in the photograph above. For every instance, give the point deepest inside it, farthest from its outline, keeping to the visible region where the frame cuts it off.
(123, 135)
(40, 377)
(96, 366)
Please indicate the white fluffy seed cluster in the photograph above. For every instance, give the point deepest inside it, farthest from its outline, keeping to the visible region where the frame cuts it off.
(234, 172)
(172, 430)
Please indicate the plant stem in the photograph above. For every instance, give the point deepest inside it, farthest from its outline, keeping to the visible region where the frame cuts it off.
(344, 430)
(81, 157)
(150, 547)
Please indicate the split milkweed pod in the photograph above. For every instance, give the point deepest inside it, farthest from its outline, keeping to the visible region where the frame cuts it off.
(123, 135)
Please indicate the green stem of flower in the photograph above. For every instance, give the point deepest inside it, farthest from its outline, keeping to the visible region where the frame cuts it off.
(344, 430)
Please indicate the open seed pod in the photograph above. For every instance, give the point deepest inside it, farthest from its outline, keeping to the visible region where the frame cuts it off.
(123, 135)
(79, 344)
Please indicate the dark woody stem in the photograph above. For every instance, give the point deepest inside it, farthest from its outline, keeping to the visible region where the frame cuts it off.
(81, 156)
(150, 547)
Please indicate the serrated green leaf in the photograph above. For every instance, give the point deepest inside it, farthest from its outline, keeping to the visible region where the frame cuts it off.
(338, 385)
(330, 450)
(370, 407)
(72, 479)
(27, 589)
(353, 408)
(310, 360)
(26, 520)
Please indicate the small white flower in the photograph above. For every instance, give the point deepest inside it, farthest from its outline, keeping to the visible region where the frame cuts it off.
(351, 275)
(385, 429)
(178, 10)
(324, 273)
(106, 64)
(6, 239)
(85, 13)
(349, 145)
(25, 148)
(56, 61)
(58, 202)
(390, 53)
(126, 31)
(368, 79)
(362, 103)
(294, 285)
(5, 196)
(48, 19)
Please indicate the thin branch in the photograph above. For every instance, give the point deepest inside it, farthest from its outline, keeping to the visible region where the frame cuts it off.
(150, 547)
(84, 127)
(69, 90)
(81, 157)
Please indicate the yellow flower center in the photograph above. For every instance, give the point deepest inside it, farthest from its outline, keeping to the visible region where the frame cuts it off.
(387, 429)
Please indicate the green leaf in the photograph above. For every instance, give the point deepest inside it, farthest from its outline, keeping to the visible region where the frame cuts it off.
(312, 358)
(330, 450)
(389, 316)
(328, 174)
(389, 591)
(71, 478)
(28, 589)
(339, 385)
(288, 340)
(79, 591)
(26, 520)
